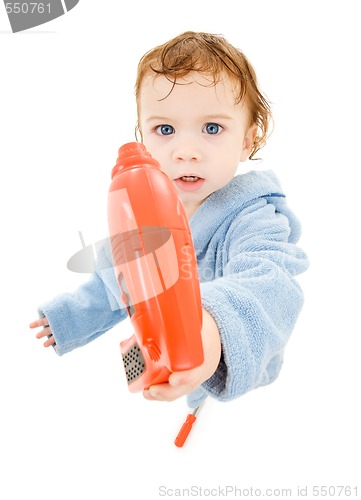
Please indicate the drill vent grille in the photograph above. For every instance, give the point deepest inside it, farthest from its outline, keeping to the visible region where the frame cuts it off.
(134, 363)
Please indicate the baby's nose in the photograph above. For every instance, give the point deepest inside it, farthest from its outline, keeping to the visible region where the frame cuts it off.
(186, 152)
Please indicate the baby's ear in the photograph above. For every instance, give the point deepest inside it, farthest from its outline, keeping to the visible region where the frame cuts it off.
(138, 133)
(248, 142)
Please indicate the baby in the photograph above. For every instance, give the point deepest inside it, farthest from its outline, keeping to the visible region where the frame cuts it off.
(201, 113)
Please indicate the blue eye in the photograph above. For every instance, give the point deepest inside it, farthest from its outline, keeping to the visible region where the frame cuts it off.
(165, 130)
(212, 128)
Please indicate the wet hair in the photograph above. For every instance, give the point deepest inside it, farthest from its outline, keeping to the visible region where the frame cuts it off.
(210, 55)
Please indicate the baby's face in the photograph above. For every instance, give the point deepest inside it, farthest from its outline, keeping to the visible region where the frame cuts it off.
(197, 133)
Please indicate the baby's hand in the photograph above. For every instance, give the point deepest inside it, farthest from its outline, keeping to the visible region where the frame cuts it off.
(182, 383)
(45, 332)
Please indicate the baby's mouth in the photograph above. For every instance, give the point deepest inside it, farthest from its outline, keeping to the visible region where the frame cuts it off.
(189, 178)
(189, 182)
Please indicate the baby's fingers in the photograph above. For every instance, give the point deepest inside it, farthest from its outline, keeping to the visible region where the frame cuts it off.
(180, 384)
(45, 332)
(49, 342)
(39, 322)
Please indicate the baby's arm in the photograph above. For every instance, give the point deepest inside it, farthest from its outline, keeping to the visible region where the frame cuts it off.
(71, 320)
(256, 302)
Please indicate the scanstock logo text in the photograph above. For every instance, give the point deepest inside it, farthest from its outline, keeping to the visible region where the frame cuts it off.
(25, 15)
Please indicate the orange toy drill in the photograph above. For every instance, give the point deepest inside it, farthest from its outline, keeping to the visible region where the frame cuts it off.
(156, 269)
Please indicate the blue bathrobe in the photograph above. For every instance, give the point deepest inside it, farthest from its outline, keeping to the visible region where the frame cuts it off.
(245, 239)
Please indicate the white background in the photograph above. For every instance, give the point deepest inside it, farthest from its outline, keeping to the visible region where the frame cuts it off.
(69, 428)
